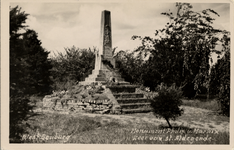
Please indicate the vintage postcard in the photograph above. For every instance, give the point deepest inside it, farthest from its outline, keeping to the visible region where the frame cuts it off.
(116, 74)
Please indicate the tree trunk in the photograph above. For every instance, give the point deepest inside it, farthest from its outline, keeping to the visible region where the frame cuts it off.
(168, 123)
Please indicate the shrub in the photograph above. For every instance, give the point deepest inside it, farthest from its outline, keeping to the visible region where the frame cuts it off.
(72, 66)
(130, 67)
(167, 103)
(64, 85)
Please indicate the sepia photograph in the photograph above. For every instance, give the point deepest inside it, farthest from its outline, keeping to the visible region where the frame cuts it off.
(127, 73)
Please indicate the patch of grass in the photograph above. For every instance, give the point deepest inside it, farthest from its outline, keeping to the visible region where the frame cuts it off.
(218, 122)
(106, 130)
(209, 105)
(200, 125)
(202, 117)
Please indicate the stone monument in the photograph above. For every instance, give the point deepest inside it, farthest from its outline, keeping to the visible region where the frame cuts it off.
(105, 47)
(121, 97)
(104, 62)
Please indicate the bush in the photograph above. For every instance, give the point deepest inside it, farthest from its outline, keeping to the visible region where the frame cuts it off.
(130, 67)
(167, 103)
(72, 66)
(65, 85)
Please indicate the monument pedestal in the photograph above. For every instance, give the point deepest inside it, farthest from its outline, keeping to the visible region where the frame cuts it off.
(103, 73)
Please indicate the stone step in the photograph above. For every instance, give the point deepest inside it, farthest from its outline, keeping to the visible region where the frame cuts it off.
(122, 88)
(100, 79)
(135, 105)
(133, 100)
(119, 79)
(96, 75)
(95, 79)
(89, 82)
(103, 73)
(103, 76)
(102, 82)
(139, 110)
(98, 71)
(128, 95)
(123, 83)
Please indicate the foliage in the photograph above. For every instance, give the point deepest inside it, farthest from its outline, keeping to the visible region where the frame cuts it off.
(29, 65)
(72, 66)
(220, 78)
(20, 112)
(29, 71)
(180, 52)
(167, 103)
(129, 66)
(147, 92)
(38, 64)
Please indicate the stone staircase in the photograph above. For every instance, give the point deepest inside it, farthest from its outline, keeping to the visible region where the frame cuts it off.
(123, 92)
(129, 100)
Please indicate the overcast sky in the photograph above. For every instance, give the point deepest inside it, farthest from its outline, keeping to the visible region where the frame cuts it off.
(62, 25)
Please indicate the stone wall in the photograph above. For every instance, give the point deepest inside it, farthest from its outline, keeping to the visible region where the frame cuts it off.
(93, 98)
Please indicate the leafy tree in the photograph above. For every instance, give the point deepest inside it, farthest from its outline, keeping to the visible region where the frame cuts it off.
(167, 103)
(220, 77)
(17, 63)
(29, 63)
(72, 66)
(129, 66)
(180, 52)
(29, 72)
(38, 65)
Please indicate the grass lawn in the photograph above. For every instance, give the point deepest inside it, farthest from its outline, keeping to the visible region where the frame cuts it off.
(195, 126)
(204, 104)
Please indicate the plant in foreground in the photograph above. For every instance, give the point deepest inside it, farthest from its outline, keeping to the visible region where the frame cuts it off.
(167, 103)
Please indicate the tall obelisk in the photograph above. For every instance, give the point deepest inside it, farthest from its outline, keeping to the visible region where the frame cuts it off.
(105, 47)
(102, 72)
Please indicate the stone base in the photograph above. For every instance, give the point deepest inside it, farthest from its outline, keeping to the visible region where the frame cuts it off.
(103, 76)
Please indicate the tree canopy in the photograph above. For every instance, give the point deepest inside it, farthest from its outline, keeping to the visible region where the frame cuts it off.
(29, 71)
(181, 52)
(29, 63)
